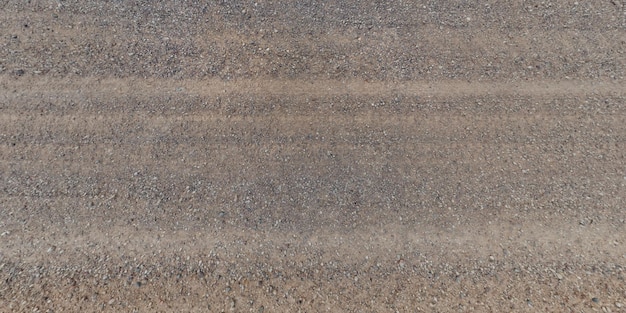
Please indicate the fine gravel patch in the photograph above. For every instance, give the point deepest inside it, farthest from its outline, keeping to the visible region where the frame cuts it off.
(345, 156)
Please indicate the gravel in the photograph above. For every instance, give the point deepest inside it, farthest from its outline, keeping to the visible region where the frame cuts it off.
(291, 156)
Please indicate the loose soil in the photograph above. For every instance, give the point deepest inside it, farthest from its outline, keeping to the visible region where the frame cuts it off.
(298, 156)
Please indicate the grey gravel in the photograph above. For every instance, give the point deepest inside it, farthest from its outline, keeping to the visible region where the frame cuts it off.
(287, 156)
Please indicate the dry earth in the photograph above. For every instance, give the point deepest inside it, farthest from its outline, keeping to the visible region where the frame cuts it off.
(308, 156)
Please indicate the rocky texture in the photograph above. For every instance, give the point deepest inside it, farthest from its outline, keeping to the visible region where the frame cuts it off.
(357, 156)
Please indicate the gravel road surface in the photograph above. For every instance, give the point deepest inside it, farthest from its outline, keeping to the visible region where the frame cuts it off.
(312, 156)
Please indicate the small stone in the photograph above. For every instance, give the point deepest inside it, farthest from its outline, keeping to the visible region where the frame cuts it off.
(559, 276)
(401, 263)
(618, 304)
(261, 309)
(492, 258)
(594, 299)
(111, 301)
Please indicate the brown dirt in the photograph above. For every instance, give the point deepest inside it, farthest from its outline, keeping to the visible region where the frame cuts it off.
(284, 156)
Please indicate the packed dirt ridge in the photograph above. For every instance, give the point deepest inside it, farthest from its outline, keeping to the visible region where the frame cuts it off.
(312, 156)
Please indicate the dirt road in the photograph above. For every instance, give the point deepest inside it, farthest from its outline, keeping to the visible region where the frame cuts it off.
(285, 156)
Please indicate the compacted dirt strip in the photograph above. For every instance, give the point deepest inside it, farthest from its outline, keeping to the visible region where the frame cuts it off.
(285, 156)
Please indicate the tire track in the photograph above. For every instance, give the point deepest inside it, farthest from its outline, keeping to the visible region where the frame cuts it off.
(320, 88)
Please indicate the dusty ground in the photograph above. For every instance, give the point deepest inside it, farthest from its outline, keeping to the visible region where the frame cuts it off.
(285, 156)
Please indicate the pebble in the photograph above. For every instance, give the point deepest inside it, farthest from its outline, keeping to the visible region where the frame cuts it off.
(618, 304)
(594, 299)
